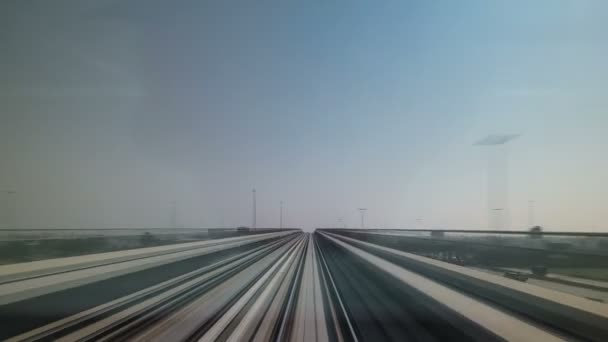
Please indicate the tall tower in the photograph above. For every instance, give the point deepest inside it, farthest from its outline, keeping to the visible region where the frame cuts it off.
(254, 223)
(362, 211)
(281, 216)
(497, 179)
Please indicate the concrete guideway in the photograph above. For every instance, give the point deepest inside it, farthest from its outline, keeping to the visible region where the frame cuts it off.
(77, 276)
(133, 301)
(20, 271)
(312, 287)
(550, 309)
(498, 322)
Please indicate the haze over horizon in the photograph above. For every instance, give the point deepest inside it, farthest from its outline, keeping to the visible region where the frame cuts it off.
(111, 110)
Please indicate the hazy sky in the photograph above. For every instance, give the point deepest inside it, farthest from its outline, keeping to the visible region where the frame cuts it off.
(109, 110)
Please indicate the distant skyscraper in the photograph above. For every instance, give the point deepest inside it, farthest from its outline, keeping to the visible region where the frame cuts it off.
(497, 179)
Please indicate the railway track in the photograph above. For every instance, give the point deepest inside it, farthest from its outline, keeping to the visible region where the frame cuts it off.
(293, 286)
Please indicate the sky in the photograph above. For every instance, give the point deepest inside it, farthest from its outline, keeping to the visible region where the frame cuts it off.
(110, 110)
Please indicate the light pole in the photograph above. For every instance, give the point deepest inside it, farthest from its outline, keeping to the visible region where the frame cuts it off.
(254, 210)
(362, 211)
(497, 179)
(173, 216)
(281, 216)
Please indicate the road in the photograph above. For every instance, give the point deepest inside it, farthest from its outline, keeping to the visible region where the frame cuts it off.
(281, 286)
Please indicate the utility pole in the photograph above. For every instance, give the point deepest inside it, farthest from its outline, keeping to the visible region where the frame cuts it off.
(254, 210)
(281, 216)
(362, 211)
